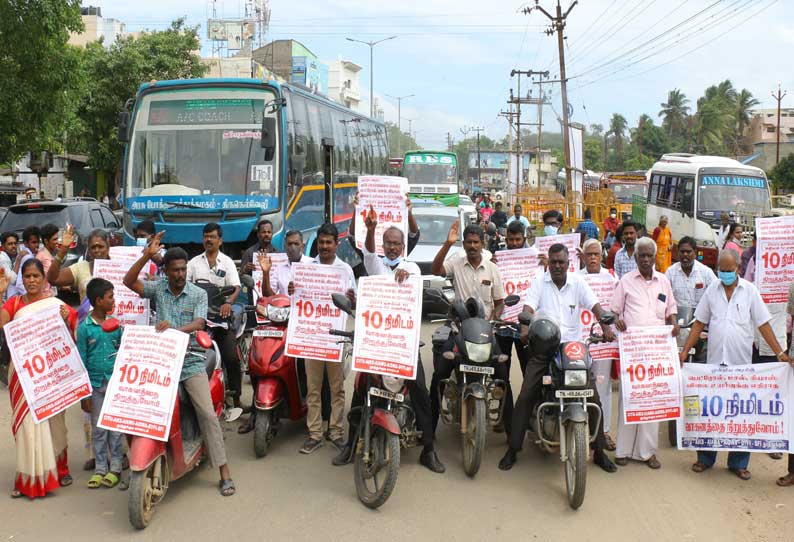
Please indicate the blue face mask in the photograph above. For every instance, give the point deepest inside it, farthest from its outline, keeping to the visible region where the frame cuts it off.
(727, 277)
(141, 242)
(392, 263)
(550, 230)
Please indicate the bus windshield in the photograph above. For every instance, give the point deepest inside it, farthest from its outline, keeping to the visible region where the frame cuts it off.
(192, 142)
(624, 191)
(741, 193)
(430, 169)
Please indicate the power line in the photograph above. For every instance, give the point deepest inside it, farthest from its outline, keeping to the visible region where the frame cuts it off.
(585, 33)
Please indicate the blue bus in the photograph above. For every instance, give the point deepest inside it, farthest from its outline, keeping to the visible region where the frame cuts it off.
(234, 151)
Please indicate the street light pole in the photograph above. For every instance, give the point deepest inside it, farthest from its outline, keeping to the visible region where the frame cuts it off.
(372, 45)
(399, 118)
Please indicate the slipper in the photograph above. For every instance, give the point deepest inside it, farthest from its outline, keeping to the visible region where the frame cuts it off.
(653, 463)
(227, 487)
(16, 494)
(610, 445)
(743, 474)
(95, 481)
(66, 480)
(124, 483)
(90, 464)
(786, 481)
(700, 467)
(622, 461)
(111, 479)
(776, 455)
(246, 427)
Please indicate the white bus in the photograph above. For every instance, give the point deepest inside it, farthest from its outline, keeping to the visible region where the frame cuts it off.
(693, 191)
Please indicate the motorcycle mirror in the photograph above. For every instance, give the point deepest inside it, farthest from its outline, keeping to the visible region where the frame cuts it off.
(525, 318)
(247, 281)
(607, 318)
(203, 339)
(342, 302)
(110, 325)
(434, 295)
(512, 300)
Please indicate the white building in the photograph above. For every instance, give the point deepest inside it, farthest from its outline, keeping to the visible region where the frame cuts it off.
(343, 83)
(97, 27)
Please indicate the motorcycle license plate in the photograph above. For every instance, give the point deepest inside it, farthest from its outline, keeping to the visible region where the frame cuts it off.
(477, 369)
(572, 394)
(269, 333)
(385, 394)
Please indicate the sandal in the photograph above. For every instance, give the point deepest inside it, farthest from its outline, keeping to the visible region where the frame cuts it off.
(622, 461)
(246, 427)
(700, 467)
(227, 487)
(786, 481)
(111, 479)
(95, 481)
(66, 480)
(653, 463)
(743, 474)
(16, 494)
(610, 445)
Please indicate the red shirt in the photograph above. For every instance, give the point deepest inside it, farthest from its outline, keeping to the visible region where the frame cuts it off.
(611, 224)
(611, 255)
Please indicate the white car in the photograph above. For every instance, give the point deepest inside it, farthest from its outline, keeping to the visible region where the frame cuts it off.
(467, 209)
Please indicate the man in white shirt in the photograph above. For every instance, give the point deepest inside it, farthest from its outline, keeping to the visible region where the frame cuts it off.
(392, 263)
(214, 267)
(561, 295)
(733, 309)
(688, 277)
(293, 247)
(8, 254)
(725, 225)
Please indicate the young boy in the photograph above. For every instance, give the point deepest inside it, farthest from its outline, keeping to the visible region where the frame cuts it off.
(98, 352)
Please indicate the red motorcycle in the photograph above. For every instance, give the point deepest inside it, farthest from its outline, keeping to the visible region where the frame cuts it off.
(154, 464)
(279, 380)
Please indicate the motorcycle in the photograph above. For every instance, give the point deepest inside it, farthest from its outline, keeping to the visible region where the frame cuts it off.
(279, 380)
(561, 419)
(471, 398)
(387, 423)
(154, 464)
(686, 318)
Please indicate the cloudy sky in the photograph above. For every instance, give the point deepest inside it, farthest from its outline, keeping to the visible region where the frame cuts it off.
(455, 56)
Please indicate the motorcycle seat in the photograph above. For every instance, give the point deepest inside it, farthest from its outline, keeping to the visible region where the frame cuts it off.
(210, 362)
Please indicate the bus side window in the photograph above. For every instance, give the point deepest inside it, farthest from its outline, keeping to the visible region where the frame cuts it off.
(686, 199)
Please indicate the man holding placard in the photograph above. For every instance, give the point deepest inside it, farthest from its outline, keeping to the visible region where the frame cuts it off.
(264, 235)
(733, 309)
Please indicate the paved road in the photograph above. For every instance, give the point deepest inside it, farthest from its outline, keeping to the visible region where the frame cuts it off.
(288, 496)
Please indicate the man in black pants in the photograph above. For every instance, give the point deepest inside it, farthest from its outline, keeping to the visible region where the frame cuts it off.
(393, 264)
(561, 294)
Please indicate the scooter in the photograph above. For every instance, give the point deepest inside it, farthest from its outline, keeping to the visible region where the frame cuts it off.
(561, 420)
(279, 380)
(155, 464)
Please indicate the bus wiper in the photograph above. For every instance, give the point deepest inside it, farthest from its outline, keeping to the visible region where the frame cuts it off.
(173, 204)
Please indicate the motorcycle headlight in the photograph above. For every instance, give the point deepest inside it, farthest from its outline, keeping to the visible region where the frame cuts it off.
(575, 379)
(478, 353)
(393, 384)
(277, 314)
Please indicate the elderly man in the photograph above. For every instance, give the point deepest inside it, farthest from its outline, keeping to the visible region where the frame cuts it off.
(731, 336)
(602, 369)
(643, 297)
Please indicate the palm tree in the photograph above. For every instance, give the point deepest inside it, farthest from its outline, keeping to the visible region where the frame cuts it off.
(617, 127)
(675, 112)
(744, 103)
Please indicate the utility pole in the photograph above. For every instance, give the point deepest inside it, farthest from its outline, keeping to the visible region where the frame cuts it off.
(399, 119)
(465, 131)
(410, 121)
(558, 26)
(372, 45)
(449, 142)
(639, 136)
(509, 115)
(779, 97)
(532, 101)
(479, 165)
(541, 102)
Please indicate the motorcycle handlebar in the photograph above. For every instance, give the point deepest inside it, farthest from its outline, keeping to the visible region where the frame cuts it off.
(340, 333)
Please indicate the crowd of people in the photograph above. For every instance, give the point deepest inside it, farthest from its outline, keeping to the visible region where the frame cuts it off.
(649, 291)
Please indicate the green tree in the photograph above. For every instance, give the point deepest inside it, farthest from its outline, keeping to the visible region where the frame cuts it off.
(38, 70)
(399, 142)
(782, 175)
(744, 103)
(617, 128)
(594, 154)
(112, 76)
(675, 112)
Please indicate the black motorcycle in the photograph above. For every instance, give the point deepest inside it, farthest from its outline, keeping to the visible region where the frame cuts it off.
(561, 420)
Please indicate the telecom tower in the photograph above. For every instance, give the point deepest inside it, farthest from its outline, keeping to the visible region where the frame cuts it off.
(237, 36)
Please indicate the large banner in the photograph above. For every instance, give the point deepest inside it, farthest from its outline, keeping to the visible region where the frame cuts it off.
(649, 375)
(313, 313)
(388, 322)
(47, 363)
(145, 382)
(774, 262)
(571, 242)
(603, 287)
(131, 309)
(277, 259)
(738, 408)
(518, 269)
(387, 196)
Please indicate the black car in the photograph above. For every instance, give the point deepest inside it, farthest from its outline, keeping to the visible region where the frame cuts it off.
(85, 214)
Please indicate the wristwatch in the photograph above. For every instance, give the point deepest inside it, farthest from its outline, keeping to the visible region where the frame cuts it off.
(782, 352)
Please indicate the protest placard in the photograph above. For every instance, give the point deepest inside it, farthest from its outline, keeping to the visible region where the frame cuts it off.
(774, 262)
(571, 242)
(388, 322)
(518, 268)
(738, 408)
(277, 259)
(47, 362)
(649, 374)
(145, 383)
(603, 287)
(386, 195)
(130, 308)
(126, 253)
(313, 314)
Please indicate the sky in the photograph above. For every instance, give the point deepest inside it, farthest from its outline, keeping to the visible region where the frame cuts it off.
(455, 56)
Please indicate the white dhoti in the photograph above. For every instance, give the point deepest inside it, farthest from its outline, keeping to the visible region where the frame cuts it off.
(637, 441)
(602, 370)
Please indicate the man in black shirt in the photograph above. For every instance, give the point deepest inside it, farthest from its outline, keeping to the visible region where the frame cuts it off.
(264, 234)
(499, 217)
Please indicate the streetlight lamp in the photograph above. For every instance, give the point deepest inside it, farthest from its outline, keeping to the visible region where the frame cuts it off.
(399, 117)
(372, 45)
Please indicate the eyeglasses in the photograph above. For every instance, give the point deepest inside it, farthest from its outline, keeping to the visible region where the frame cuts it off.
(392, 244)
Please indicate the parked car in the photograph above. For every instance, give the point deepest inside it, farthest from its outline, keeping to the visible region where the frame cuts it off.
(85, 214)
(468, 209)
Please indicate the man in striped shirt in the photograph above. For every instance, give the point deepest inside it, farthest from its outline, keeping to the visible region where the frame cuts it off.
(625, 259)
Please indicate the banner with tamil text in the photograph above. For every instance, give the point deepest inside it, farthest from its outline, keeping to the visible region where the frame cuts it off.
(386, 195)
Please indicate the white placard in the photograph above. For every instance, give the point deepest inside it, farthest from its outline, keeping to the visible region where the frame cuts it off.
(130, 309)
(518, 268)
(603, 287)
(386, 195)
(277, 259)
(774, 260)
(571, 242)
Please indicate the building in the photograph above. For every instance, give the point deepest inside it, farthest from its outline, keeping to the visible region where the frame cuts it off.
(497, 173)
(97, 27)
(343, 83)
(765, 152)
(763, 126)
(235, 66)
(294, 62)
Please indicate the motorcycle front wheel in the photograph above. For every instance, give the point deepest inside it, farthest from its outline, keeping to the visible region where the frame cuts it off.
(576, 465)
(262, 432)
(473, 443)
(143, 493)
(376, 478)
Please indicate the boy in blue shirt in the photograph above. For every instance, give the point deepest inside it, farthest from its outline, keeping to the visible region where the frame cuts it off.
(98, 351)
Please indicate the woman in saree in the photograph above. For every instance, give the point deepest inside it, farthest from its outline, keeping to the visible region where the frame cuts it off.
(42, 463)
(664, 245)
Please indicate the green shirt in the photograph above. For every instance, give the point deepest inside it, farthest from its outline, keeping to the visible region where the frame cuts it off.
(97, 350)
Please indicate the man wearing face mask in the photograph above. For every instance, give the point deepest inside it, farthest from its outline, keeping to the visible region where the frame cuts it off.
(293, 247)
(611, 224)
(732, 308)
(552, 222)
(144, 232)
